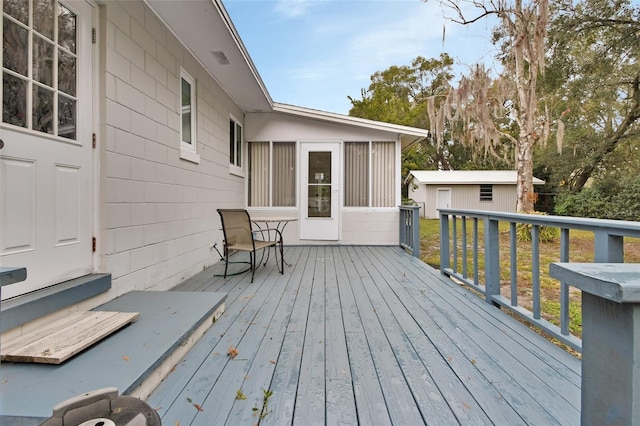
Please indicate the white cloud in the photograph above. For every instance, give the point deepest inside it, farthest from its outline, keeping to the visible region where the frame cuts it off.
(293, 8)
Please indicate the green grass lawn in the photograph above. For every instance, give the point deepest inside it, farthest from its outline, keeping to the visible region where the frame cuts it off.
(581, 250)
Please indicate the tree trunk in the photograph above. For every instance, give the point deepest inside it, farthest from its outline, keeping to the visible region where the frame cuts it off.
(525, 197)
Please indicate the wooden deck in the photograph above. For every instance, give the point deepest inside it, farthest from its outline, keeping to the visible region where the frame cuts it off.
(364, 335)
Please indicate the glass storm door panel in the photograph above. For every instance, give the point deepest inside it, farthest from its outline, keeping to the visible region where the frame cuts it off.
(319, 184)
(319, 215)
(46, 172)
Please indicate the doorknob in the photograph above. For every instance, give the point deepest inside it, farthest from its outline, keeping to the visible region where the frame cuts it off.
(1, 144)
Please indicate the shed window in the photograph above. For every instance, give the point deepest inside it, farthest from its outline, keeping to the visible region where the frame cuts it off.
(486, 192)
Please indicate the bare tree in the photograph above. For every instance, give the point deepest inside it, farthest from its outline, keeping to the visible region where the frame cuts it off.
(523, 31)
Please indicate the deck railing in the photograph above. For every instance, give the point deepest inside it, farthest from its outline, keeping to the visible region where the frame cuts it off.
(410, 229)
(460, 259)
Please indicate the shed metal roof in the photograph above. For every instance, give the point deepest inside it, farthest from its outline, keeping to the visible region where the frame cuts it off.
(466, 177)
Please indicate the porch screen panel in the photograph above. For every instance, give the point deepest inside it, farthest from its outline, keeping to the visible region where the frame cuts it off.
(259, 174)
(356, 174)
(284, 174)
(383, 167)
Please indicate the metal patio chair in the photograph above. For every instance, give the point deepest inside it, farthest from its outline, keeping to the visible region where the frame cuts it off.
(239, 236)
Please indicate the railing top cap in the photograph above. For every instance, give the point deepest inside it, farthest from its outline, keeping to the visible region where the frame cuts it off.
(576, 222)
(618, 282)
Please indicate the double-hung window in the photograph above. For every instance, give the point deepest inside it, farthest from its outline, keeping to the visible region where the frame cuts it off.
(235, 146)
(188, 113)
(272, 174)
(369, 174)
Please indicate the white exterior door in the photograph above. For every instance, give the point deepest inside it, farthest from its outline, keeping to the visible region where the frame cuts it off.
(320, 191)
(46, 174)
(444, 199)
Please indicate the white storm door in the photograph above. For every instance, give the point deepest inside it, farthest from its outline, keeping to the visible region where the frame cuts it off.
(46, 170)
(320, 191)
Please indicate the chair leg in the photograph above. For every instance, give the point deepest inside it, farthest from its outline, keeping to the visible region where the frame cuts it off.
(281, 257)
(252, 259)
(226, 261)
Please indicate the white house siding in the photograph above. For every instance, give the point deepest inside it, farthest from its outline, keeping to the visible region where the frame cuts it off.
(466, 197)
(358, 225)
(158, 211)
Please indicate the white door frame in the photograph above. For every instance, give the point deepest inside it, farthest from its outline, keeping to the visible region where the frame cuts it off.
(320, 228)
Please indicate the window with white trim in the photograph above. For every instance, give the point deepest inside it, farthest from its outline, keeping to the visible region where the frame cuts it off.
(188, 114)
(235, 144)
(369, 174)
(272, 174)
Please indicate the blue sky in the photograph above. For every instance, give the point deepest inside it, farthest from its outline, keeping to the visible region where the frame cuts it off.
(315, 53)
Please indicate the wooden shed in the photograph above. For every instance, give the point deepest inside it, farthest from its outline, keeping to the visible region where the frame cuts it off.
(493, 190)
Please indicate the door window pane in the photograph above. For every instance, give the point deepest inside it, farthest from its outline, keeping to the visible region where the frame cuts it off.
(17, 9)
(66, 73)
(43, 61)
(42, 109)
(15, 42)
(14, 100)
(319, 184)
(66, 117)
(43, 17)
(66, 29)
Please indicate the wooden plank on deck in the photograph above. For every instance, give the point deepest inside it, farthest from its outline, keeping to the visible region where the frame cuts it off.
(60, 340)
(439, 394)
(514, 376)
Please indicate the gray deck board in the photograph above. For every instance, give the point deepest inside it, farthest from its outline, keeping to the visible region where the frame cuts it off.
(505, 368)
(365, 335)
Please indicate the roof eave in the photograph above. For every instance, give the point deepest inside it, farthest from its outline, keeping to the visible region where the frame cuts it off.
(408, 135)
(204, 27)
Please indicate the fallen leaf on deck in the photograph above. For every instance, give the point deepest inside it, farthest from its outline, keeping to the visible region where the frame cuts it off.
(198, 407)
(344, 372)
(177, 423)
(449, 358)
(473, 361)
(232, 352)
(126, 358)
(467, 406)
(189, 400)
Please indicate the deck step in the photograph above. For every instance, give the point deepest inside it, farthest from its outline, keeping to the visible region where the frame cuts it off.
(60, 340)
(134, 360)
